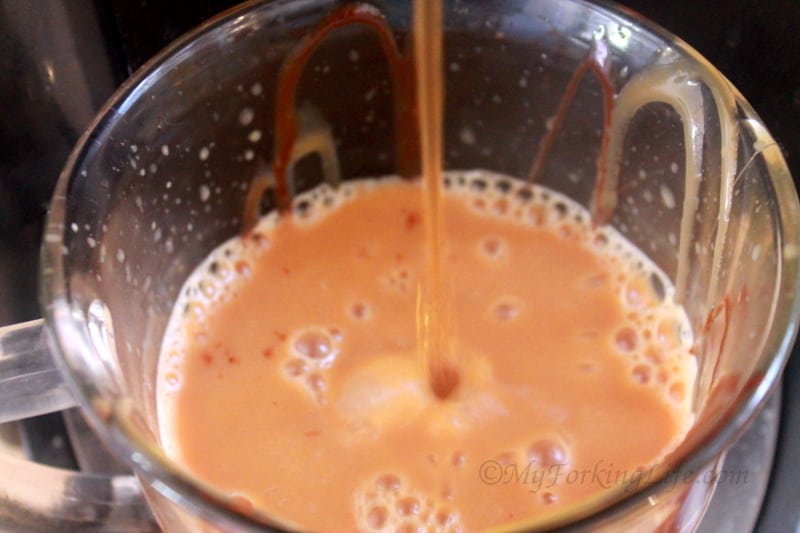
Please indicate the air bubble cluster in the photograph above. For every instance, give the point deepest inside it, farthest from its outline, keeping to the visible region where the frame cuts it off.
(388, 504)
(312, 351)
(226, 269)
(541, 456)
(656, 337)
(216, 280)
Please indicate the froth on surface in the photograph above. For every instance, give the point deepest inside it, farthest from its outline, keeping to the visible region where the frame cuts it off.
(388, 504)
(290, 356)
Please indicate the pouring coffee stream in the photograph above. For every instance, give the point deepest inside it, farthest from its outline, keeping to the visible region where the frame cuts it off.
(418, 97)
(435, 329)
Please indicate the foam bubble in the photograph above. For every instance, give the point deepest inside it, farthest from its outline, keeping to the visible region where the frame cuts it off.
(549, 498)
(653, 355)
(445, 518)
(360, 311)
(639, 293)
(172, 380)
(547, 452)
(387, 483)
(336, 334)
(505, 310)
(668, 333)
(458, 459)
(677, 391)
(408, 506)
(318, 387)
(377, 517)
(492, 247)
(314, 344)
(296, 367)
(506, 458)
(501, 206)
(626, 339)
(398, 507)
(208, 289)
(641, 374)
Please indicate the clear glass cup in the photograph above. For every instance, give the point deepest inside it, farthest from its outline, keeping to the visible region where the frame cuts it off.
(163, 174)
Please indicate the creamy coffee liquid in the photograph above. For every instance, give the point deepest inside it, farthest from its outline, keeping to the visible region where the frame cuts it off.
(289, 375)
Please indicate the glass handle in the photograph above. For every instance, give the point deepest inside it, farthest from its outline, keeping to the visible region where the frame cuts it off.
(30, 384)
(34, 497)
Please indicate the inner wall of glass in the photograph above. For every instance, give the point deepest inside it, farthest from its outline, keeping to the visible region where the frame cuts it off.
(165, 180)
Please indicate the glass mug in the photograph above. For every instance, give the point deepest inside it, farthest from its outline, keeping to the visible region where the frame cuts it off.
(559, 90)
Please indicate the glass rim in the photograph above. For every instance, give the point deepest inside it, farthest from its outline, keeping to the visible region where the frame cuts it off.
(167, 477)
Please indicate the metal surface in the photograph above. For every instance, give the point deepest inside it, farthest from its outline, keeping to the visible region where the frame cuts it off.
(781, 509)
(40, 498)
(745, 474)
